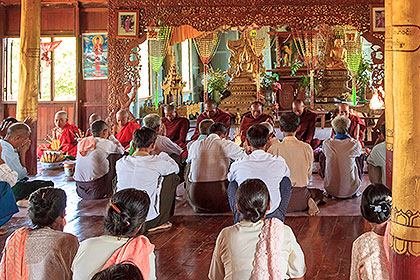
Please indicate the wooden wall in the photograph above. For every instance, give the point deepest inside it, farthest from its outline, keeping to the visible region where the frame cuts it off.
(71, 19)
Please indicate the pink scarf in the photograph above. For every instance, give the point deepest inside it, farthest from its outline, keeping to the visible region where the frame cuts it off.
(267, 256)
(13, 266)
(86, 144)
(136, 251)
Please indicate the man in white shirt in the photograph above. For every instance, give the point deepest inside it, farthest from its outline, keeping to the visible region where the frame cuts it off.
(341, 172)
(210, 159)
(14, 147)
(272, 170)
(95, 162)
(154, 174)
(163, 143)
(299, 157)
(377, 161)
(204, 128)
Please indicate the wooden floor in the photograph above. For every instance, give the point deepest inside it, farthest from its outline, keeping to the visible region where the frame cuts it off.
(184, 251)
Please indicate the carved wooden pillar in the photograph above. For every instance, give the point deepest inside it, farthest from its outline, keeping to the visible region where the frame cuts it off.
(389, 99)
(405, 218)
(27, 103)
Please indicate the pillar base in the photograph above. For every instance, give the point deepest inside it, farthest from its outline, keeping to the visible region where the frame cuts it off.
(404, 267)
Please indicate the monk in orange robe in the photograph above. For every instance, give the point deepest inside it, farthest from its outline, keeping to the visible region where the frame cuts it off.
(307, 124)
(255, 116)
(212, 112)
(357, 126)
(66, 132)
(125, 129)
(176, 127)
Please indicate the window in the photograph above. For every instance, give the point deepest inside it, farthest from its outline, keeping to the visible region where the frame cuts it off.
(186, 64)
(144, 89)
(57, 81)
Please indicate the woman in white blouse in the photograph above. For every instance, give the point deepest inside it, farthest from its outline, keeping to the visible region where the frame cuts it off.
(244, 250)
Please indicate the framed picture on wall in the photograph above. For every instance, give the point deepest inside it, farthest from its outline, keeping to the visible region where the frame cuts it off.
(127, 24)
(377, 19)
(95, 56)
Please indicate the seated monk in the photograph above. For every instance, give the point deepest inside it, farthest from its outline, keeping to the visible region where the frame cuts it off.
(125, 128)
(92, 118)
(342, 173)
(95, 162)
(357, 126)
(176, 126)
(212, 112)
(207, 183)
(255, 116)
(65, 132)
(43, 251)
(154, 174)
(299, 156)
(307, 126)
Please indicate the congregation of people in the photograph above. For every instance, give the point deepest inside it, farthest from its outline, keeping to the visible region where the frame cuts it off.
(141, 166)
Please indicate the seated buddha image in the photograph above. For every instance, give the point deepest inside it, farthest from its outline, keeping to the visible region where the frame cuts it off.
(338, 55)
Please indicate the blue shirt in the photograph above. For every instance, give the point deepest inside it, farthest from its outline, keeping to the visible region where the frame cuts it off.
(11, 157)
(342, 136)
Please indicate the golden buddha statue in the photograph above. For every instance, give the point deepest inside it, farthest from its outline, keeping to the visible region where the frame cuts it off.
(338, 55)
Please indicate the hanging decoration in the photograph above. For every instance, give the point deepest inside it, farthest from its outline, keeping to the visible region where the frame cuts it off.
(47, 48)
(157, 51)
(353, 44)
(307, 45)
(206, 46)
(258, 39)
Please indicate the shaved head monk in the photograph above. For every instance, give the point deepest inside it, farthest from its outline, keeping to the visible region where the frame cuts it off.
(92, 118)
(256, 115)
(357, 125)
(176, 126)
(306, 129)
(212, 112)
(66, 132)
(125, 128)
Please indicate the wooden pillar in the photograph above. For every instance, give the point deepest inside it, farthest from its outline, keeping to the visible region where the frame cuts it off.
(389, 100)
(405, 217)
(27, 103)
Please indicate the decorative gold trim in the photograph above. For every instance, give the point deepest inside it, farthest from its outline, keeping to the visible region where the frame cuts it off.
(405, 232)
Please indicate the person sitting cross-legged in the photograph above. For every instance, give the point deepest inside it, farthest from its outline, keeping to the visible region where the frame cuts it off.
(377, 160)
(257, 247)
(123, 239)
(14, 147)
(155, 174)
(272, 170)
(210, 159)
(299, 157)
(342, 177)
(44, 251)
(95, 162)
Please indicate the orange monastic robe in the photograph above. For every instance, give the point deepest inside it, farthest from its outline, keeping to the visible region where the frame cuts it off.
(125, 135)
(67, 139)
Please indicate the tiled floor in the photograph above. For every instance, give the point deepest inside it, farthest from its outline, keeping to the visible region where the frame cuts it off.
(184, 251)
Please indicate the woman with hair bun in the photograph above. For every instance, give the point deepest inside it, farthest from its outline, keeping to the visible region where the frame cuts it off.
(245, 250)
(370, 254)
(123, 240)
(44, 251)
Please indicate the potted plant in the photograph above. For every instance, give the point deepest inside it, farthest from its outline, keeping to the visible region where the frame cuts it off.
(363, 77)
(216, 84)
(270, 85)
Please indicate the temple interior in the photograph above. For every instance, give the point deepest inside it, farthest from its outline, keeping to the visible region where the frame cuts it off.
(243, 139)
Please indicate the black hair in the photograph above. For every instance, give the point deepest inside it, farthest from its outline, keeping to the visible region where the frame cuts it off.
(289, 122)
(382, 129)
(126, 212)
(121, 271)
(218, 128)
(253, 199)
(97, 127)
(257, 135)
(9, 119)
(46, 205)
(144, 137)
(376, 203)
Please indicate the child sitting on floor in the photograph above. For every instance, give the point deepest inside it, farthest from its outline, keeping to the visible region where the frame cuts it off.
(370, 255)
(244, 250)
(123, 240)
